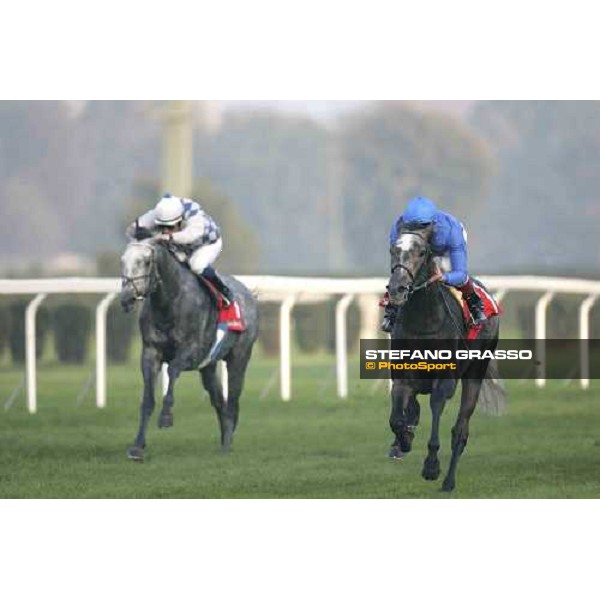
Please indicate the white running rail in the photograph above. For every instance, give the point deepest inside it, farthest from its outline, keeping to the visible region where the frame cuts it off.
(290, 291)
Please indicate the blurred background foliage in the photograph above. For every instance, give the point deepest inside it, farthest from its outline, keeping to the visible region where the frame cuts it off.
(546, 195)
(296, 194)
(394, 152)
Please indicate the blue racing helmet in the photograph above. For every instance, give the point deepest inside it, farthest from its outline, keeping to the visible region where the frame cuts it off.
(419, 211)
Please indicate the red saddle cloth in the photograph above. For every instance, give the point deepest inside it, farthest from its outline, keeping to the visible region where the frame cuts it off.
(490, 308)
(231, 315)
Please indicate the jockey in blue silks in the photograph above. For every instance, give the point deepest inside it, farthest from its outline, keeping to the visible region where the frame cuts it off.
(448, 238)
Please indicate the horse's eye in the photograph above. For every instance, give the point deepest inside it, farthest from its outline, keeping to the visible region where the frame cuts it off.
(422, 253)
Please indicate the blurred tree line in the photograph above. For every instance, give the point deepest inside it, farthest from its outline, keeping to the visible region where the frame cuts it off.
(64, 175)
(395, 152)
(546, 196)
(295, 196)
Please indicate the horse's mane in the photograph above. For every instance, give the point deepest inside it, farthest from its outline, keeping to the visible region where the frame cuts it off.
(155, 246)
(423, 231)
(142, 243)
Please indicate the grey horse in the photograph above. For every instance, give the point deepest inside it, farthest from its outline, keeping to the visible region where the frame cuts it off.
(429, 312)
(178, 323)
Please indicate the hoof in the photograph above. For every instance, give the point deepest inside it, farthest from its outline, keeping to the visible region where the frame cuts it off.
(165, 420)
(395, 453)
(447, 486)
(430, 472)
(135, 453)
(406, 439)
(227, 443)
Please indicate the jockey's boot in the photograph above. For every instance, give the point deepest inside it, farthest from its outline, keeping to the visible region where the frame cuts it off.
(475, 304)
(390, 313)
(212, 276)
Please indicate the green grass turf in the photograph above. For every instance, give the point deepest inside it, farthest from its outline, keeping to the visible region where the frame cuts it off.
(316, 446)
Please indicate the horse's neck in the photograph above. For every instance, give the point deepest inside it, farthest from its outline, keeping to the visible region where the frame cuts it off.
(426, 309)
(173, 286)
(426, 306)
(167, 285)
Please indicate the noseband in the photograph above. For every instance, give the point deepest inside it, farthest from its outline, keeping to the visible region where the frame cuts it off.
(401, 266)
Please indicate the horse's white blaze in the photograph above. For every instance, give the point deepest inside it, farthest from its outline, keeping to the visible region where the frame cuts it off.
(404, 242)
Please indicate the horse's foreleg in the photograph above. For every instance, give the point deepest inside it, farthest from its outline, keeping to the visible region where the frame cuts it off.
(460, 431)
(150, 366)
(165, 418)
(431, 466)
(403, 418)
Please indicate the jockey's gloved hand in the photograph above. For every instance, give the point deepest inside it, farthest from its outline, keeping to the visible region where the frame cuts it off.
(437, 276)
(141, 233)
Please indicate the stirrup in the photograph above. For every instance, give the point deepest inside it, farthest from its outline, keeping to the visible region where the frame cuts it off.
(478, 315)
(226, 301)
(478, 320)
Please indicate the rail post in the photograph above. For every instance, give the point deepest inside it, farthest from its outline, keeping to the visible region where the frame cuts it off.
(30, 358)
(584, 335)
(541, 307)
(341, 354)
(101, 311)
(285, 342)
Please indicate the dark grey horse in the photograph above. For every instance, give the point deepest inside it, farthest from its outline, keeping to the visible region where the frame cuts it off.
(178, 323)
(427, 311)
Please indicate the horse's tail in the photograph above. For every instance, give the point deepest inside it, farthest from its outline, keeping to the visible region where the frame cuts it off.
(492, 397)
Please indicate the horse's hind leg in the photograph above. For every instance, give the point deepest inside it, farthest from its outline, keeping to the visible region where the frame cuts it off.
(460, 431)
(431, 466)
(212, 385)
(150, 367)
(166, 414)
(236, 374)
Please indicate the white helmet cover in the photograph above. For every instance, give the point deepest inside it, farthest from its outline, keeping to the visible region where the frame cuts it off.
(168, 211)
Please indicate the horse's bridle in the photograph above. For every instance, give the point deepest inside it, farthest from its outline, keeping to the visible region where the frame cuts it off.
(412, 288)
(152, 277)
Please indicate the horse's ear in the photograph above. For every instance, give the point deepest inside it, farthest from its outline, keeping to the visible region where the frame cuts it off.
(141, 233)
